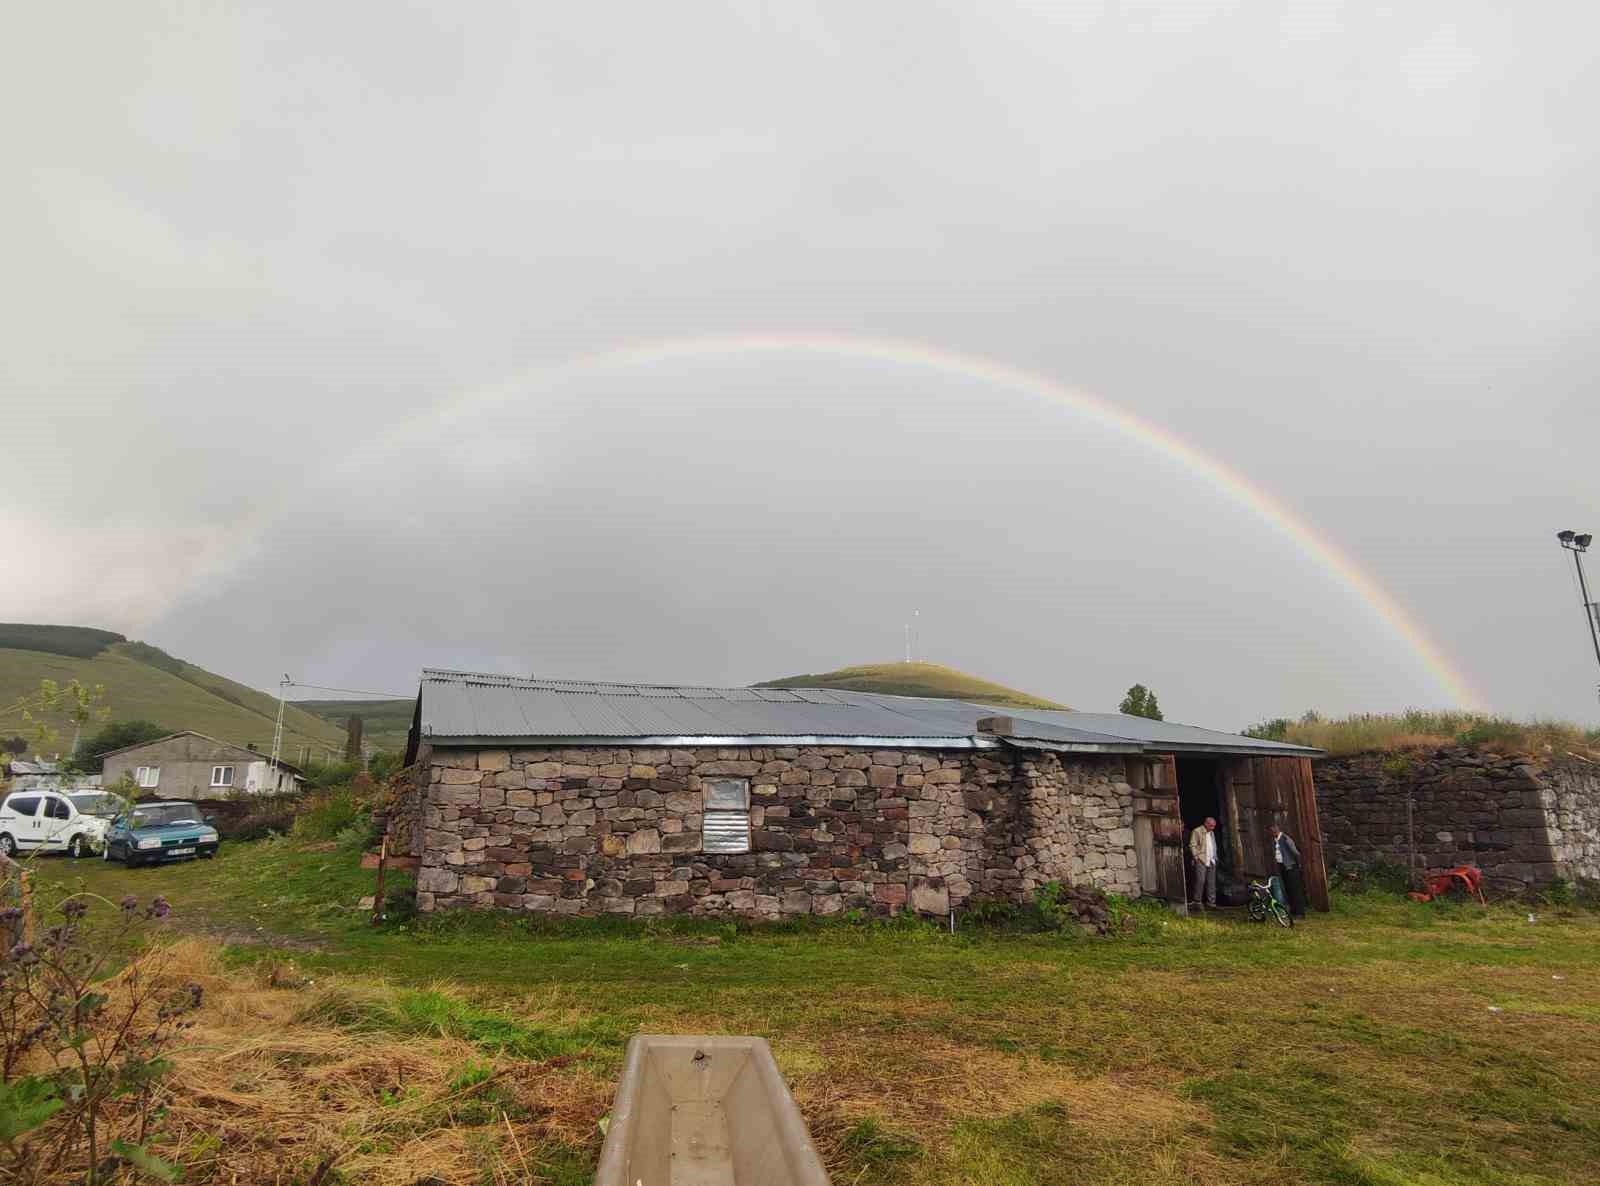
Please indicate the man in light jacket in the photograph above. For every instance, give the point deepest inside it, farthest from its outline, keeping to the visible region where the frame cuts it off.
(1203, 852)
(1287, 856)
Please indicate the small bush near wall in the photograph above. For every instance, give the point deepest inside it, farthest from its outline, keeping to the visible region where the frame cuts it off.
(266, 820)
(324, 816)
(1374, 877)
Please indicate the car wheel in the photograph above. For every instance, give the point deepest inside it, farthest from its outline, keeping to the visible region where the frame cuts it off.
(76, 847)
(7, 844)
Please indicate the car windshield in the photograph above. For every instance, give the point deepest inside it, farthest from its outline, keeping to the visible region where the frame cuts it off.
(101, 803)
(157, 815)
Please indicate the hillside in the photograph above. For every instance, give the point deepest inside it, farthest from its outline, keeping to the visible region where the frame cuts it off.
(385, 723)
(915, 679)
(145, 683)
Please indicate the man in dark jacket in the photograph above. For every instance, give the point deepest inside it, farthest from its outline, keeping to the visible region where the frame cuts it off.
(1287, 856)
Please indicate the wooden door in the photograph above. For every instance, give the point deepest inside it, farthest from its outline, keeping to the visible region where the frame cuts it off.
(1158, 827)
(1280, 791)
(1306, 827)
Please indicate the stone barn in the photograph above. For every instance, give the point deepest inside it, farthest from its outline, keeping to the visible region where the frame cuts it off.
(586, 798)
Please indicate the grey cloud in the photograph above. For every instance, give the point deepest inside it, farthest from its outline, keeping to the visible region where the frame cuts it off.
(1349, 252)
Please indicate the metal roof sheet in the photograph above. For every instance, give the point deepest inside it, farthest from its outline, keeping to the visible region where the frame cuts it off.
(466, 707)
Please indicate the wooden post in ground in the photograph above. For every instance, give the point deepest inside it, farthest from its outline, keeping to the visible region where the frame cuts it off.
(377, 898)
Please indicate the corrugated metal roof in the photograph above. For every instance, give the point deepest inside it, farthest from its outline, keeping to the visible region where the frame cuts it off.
(465, 707)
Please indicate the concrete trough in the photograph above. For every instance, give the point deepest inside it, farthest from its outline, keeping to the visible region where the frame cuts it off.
(705, 1111)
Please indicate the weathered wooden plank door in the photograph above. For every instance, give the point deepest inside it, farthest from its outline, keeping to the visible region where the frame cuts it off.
(1286, 796)
(1306, 827)
(1158, 827)
(1144, 845)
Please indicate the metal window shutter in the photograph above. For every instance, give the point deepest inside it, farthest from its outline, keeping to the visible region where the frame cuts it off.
(726, 831)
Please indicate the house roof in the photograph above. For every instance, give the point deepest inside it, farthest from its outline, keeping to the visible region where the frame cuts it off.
(20, 766)
(230, 747)
(466, 708)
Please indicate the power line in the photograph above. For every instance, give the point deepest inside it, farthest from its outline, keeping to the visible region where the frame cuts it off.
(354, 691)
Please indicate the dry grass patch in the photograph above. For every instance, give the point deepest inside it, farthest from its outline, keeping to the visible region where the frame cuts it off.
(281, 1078)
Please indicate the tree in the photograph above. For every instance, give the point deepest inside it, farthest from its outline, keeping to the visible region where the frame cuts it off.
(79, 704)
(86, 758)
(1140, 702)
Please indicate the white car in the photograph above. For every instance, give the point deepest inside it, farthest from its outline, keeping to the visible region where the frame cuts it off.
(74, 822)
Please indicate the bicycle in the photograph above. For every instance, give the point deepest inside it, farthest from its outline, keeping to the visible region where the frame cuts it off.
(1264, 904)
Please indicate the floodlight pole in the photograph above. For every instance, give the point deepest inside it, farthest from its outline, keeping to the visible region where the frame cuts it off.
(1578, 545)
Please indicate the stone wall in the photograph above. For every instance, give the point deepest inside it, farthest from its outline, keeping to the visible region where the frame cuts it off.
(1524, 821)
(1571, 799)
(598, 830)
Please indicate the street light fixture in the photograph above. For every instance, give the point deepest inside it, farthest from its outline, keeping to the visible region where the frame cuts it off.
(1578, 545)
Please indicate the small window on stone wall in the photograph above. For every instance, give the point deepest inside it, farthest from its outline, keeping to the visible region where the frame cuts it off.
(726, 826)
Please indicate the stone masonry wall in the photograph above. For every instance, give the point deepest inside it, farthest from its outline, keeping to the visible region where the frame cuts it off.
(618, 830)
(1571, 799)
(1522, 820)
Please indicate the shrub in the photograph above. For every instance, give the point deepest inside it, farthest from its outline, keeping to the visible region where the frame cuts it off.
(326, 776)
(260, 823)
(385, 764)
(324, 816)
(87, 757)
(72, 1043)
(1277, 729)
(1374, 877)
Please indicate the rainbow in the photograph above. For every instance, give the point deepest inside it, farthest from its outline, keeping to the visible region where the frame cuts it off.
(996, 374)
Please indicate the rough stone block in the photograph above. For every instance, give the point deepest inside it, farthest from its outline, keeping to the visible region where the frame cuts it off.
(930, 897)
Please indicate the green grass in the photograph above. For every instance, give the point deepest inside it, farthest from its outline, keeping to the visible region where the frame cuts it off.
(1388, 1042)
(1417, 728)
(915, 679)
(188, 697)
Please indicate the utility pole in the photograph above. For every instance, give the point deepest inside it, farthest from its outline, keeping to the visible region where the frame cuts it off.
(277, 733)
(1578, 544)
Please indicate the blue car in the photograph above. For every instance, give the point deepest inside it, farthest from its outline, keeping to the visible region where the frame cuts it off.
(160, 832)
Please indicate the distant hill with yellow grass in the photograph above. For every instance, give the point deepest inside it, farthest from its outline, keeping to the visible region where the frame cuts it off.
(915, 679)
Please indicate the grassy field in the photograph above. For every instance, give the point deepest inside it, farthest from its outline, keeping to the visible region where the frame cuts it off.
(1386, 1043)
(914, 679)
(177, 695)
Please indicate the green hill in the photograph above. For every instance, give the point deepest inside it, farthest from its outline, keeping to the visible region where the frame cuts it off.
(143, 682)
(915, 679)
(384, 723)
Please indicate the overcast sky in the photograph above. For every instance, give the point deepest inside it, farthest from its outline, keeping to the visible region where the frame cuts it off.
(251, 251)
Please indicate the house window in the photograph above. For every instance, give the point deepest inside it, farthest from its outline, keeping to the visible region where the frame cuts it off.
(222, 776)
(726, 819)
(147, 776)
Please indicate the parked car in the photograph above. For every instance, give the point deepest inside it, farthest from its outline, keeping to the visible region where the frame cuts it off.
(48, 821)
(159, 832)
